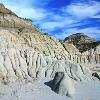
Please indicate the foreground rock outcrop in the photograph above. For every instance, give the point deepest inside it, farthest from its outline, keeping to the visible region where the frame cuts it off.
(63, 84)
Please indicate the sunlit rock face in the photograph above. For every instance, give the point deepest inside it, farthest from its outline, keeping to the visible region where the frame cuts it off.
(63, 84)
(26, 52)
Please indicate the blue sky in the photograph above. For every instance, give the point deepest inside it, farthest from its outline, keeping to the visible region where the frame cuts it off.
(60, 17)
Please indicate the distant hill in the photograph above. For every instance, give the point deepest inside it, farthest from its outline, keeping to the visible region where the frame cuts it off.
(82, 41)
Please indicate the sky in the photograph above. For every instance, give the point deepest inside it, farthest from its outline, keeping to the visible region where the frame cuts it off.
(60, 18)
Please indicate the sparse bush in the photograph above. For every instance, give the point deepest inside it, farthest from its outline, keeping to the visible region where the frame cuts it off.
(5, 82)
(61, 41)
(45, 33)
(27, 19)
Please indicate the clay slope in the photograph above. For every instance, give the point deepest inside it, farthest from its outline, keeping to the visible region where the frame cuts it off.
(11, 21)
(5, 10)
(32, 36)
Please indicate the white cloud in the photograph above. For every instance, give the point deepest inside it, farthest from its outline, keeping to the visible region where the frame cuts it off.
(96, 16)
(83, 10)
(71, 15)
(61, 22)
(26, 8)
(17, 3)
(66, 17)
(35, 14)
(90, 31)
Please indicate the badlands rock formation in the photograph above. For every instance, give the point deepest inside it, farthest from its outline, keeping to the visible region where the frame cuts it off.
(63, 84)
(90, 50)
(27, 53)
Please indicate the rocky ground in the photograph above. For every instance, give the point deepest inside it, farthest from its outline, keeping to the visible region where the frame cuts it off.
(37, 90)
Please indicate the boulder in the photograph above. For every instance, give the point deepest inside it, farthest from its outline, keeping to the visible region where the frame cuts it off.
(63, 84)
